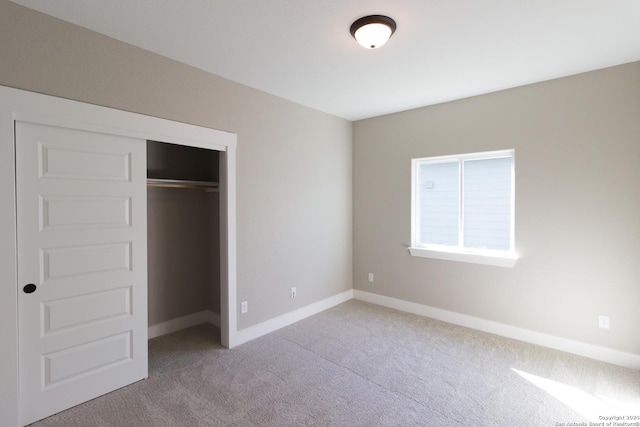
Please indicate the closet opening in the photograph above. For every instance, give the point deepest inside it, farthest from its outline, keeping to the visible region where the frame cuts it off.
(183, 237)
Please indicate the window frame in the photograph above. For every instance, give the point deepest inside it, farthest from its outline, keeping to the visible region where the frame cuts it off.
(502, 258)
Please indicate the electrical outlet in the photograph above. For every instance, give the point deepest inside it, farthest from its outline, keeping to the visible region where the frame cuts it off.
(293, 293)
(244, 307)
(371, 277)
(603, 322)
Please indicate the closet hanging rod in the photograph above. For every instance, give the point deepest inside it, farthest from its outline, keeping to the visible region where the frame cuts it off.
(179, 183)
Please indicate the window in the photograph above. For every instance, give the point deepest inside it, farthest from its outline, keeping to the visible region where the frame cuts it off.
(463, 208)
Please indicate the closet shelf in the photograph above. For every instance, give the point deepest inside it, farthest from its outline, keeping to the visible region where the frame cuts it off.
(179, 183)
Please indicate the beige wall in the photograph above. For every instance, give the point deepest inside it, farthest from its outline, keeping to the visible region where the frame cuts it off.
(577, 220)
(293, 163)
(182, 274)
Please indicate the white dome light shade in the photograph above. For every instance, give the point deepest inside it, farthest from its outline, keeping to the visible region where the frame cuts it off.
(373, 31)
(372, 36)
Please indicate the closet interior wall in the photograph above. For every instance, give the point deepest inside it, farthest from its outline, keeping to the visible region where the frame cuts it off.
(183, 233)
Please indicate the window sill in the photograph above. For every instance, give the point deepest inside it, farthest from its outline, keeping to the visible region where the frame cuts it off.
(507, 260)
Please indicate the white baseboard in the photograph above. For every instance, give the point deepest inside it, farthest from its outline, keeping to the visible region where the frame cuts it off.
(179, 323)
(253, 332)
(615, 357)
(213, 318)
(287, 319)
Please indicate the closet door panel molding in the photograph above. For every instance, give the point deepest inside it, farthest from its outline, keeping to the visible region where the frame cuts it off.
(67, 359)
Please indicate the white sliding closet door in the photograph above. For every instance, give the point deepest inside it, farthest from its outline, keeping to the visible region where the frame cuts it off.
(82, 267)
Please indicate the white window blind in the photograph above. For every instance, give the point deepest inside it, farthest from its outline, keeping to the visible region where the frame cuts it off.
(440, 203)
(487, 204)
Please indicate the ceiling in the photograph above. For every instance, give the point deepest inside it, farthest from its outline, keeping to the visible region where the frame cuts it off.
(301, 50)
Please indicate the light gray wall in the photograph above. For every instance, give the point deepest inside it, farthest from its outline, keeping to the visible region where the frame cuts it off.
(293, 163)
(577, 219)
(182, 274)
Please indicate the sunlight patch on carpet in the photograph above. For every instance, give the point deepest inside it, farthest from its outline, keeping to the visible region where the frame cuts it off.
(590, 406)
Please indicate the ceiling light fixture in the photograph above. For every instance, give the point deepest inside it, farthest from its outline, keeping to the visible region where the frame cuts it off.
(373, 31)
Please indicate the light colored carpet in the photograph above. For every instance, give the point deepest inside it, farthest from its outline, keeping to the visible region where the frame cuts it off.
(358, 364)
